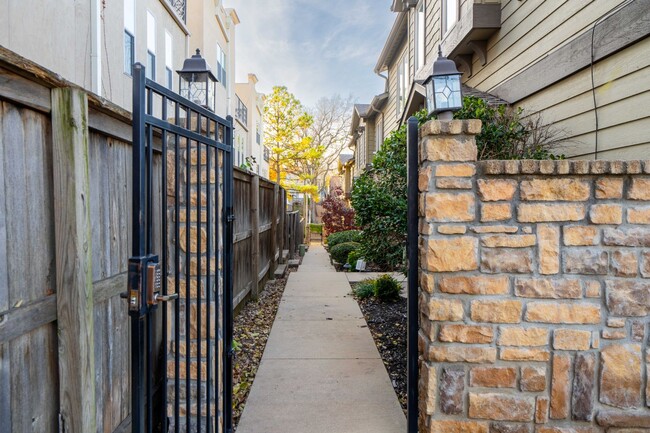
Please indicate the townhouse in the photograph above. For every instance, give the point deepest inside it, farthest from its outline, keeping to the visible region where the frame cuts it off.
(583, 66)
(249, 134)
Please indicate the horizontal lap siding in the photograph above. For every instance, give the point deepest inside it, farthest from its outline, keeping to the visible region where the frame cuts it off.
(622, 92)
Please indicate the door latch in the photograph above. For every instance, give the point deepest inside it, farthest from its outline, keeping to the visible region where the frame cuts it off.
(144, 285)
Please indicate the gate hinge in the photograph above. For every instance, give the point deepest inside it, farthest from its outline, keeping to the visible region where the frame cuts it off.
(231, 218)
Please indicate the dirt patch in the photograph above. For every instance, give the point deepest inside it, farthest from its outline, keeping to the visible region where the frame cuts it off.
(251, 332)
(387, 322)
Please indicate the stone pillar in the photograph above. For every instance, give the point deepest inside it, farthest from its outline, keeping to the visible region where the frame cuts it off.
(446, 204)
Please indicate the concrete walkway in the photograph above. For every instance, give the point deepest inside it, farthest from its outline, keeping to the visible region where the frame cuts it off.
(321, 371)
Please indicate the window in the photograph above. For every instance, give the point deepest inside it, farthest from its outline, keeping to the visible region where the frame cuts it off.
(241, 112)
(379, 131)
(151, 46)
(129, 38)
(449, 14)
(258, 133)
(221, 66)
(420, 25)
(169, 62)
(402, 83)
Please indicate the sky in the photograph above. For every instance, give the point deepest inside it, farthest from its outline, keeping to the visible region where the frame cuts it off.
(317, 48)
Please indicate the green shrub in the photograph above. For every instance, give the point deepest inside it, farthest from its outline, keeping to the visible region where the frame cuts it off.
(316, 228)
(365, 289)
(341, 237)
(387, 288)
(353, 257)
(340, 252)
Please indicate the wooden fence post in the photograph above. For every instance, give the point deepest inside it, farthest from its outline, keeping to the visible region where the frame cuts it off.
(73, 240)
(255, 234)
(274, 228)
(283, 213)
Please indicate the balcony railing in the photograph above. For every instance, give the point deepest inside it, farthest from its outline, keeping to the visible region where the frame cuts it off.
(241, 112)
(180, 7)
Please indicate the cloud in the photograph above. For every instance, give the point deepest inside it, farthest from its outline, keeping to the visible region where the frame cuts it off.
(315, 48)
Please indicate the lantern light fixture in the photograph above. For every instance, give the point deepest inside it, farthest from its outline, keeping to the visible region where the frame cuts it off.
(197, 82)
(444, 93)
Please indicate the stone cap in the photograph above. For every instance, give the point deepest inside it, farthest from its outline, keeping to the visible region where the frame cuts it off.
(451, 127)
(547, 167)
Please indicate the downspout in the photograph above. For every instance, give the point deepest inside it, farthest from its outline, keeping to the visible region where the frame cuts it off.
(96, 47)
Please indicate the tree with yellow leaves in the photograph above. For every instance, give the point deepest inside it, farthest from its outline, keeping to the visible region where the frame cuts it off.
(286, 134)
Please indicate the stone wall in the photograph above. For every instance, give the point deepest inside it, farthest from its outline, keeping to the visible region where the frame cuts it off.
(534, 291)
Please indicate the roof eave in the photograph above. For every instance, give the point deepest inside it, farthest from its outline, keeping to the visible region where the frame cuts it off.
(397, 33)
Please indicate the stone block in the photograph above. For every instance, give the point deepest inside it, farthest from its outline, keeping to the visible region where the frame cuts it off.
(455, 426)
(614, 334)
(628, 298)
(621, 376)
(451, 255)
(444, 310)
(536, 213)
(584, 383)
(572, 429)
(427, 388)
(548, 288)
(495, 212)
(452, 390)
(517, 354)
(566, 189)
(452, 230)
(638, 215)
(466, 334)
(453, 183)
(496, 311)
(645, 264)
(508, 241)
(617, 418)
(627, 237)
(496, 189)
(501, 427)
(606, 214)
(616, 322)
(501, 407)
(639, 189)
(493, 377)
(552, 312)
(609, 188)
(474, 285)
(541, 410)
(460, 353)
(624, 263)
(593, 288)
(549, 249)
(507, 260)
(590, 261)
(517, 336)
(581, 235)
(512, 166)
(194, 240)
(450, 207)
(571, 339)
(427, 282)
(452, 149)
(638, 332)
(424, 178)
(494, 229)
(455, 170)
(560, 386)
(533, 379)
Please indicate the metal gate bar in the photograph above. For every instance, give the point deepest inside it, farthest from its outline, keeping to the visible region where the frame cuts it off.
(207, 149)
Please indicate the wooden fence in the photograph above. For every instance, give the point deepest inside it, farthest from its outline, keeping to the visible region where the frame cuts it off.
(65, 238)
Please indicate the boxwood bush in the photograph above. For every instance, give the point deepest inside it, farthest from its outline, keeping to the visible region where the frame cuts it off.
(340, 252)
(387, 288)
(341, 237)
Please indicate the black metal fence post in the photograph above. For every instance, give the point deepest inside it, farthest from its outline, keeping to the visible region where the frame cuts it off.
(228, 282)
(413, 267)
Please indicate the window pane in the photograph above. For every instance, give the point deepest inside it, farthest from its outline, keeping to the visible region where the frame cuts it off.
(168, 51)
(151, 33)
(151, 66)
(129, 15)
(170, 77)
(128, 53)
(451, 13)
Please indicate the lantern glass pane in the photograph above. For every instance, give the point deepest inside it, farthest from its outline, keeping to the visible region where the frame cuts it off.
(447, 92)
(211, 93)
(431, 106)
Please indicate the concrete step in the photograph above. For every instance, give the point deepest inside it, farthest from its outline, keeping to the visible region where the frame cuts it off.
(280, 271)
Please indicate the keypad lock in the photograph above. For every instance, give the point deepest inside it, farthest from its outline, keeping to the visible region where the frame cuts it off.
(144, 285)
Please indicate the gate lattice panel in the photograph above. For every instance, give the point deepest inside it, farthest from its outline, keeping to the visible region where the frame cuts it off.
(180, 275)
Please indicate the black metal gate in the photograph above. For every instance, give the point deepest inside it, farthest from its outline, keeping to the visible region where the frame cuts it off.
(180, 276)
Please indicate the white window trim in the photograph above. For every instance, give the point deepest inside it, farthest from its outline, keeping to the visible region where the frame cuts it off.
(420, 35)
(444, 25)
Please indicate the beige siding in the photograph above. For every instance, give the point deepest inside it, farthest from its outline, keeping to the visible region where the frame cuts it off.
(622, 96)
(391, 119)
(531, 31)
(433, 30)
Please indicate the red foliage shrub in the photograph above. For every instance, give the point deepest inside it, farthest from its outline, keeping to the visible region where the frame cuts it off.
(338, 215)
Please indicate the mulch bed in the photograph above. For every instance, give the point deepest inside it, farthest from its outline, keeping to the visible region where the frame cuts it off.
(252, 328)
(387, 323)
